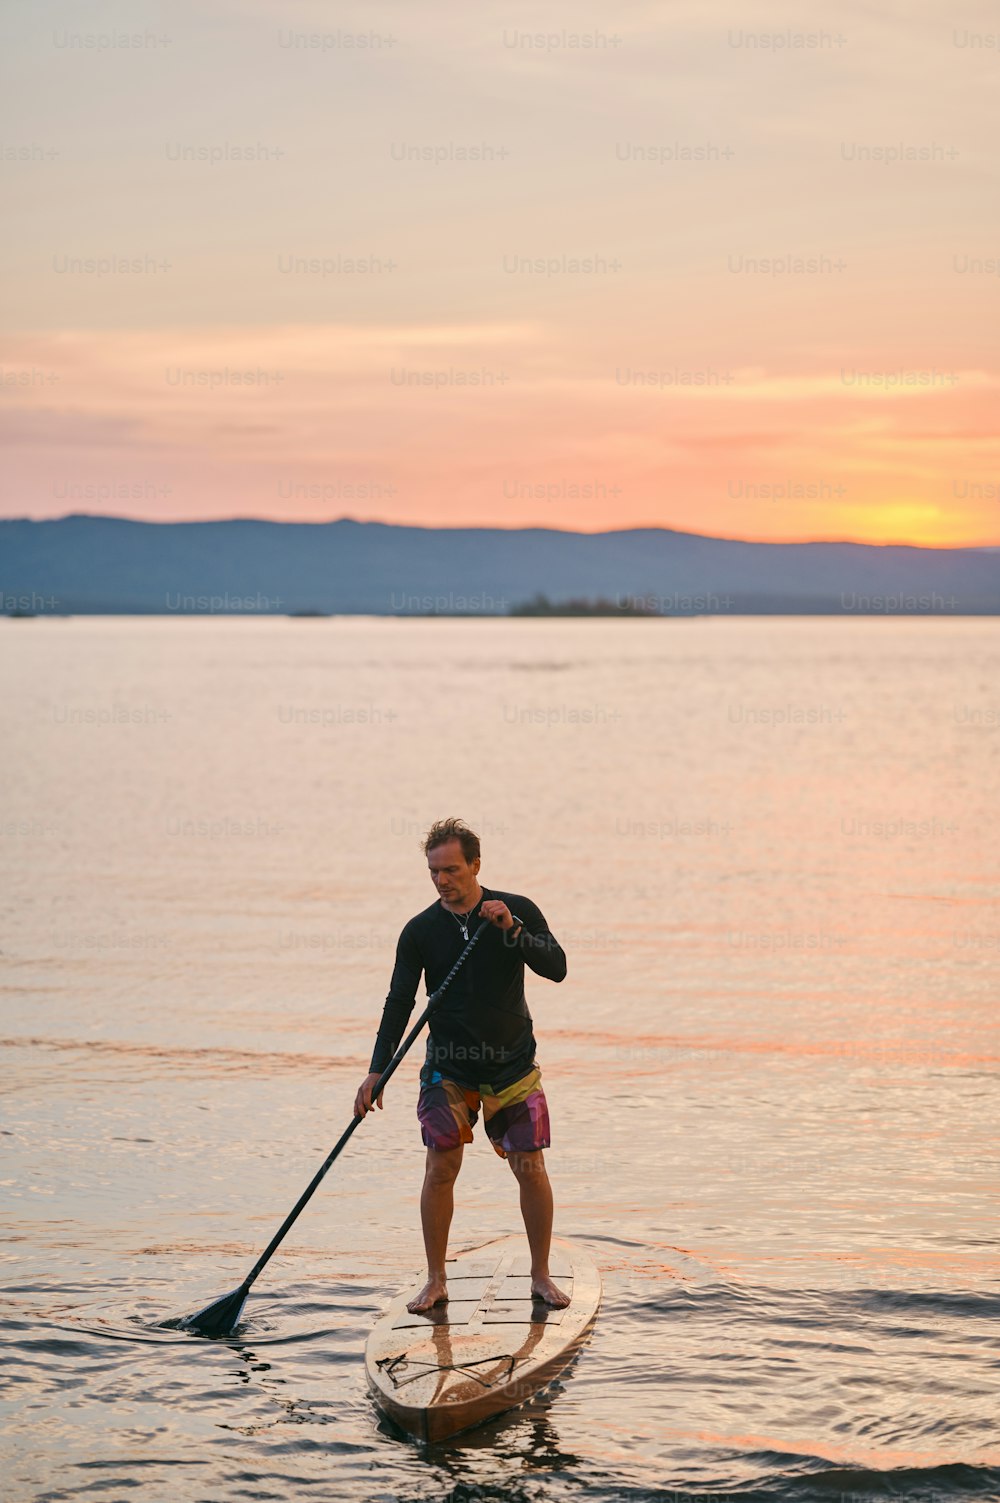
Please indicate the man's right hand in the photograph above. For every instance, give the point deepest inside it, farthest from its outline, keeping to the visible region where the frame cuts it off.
(363, 1100)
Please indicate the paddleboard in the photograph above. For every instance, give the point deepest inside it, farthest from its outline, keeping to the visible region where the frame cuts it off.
(489, 1348)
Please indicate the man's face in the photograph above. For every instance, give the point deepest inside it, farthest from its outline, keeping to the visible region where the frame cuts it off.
(452, 875)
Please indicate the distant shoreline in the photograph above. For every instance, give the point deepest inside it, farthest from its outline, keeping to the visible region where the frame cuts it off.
(86, 565)
(791, 614)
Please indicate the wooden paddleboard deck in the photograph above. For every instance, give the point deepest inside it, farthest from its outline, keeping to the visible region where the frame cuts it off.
(489, 1348)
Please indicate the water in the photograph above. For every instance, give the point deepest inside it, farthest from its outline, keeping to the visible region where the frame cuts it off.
(769, 848)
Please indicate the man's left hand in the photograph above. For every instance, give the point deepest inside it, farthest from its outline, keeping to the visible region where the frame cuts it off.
(498, 913)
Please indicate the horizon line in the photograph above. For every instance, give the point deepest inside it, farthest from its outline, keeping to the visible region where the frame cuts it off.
(794, 542)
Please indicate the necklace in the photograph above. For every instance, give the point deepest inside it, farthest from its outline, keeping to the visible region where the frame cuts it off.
(463, 923)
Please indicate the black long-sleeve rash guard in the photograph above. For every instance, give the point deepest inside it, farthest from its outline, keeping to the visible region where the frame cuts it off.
(481, 1029)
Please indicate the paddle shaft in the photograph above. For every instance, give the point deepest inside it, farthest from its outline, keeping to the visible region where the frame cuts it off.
(317, 1180)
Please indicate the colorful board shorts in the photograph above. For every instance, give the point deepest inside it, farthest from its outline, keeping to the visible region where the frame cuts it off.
(516, 1117)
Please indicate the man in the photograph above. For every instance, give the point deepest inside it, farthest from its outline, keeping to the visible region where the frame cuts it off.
(480, 1049)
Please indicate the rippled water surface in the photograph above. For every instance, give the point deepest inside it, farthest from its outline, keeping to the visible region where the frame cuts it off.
(770, 850)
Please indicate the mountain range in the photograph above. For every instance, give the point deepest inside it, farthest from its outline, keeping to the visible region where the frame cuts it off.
(112, 565)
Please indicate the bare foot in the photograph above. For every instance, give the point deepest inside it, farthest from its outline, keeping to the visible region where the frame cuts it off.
(434, 1292)
(543, 1288)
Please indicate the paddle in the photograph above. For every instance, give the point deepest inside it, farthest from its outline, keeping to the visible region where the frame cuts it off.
(219, 1318)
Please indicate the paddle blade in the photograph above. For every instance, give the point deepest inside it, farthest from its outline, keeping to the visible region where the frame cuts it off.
(219, 1318)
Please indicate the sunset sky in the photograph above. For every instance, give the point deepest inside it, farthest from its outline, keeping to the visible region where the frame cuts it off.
(567, 311)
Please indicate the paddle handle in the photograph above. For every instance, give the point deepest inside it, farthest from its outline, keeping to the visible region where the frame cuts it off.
(317, 1179)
